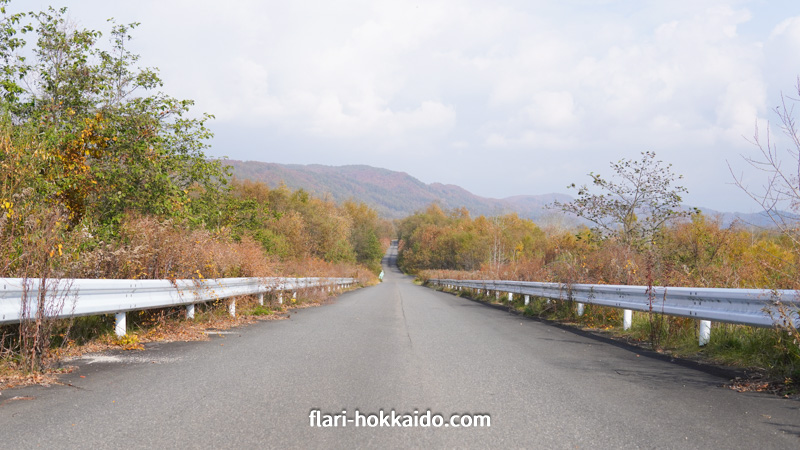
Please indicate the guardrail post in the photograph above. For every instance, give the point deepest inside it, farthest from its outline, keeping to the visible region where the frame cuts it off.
(510, 297)
(261, 299)
(527, 300)
(280, 297)
(497, 295)
(120, 325)
(580, 309)
(232, 308)
(190, 311)
(705, 332)
(627, 319)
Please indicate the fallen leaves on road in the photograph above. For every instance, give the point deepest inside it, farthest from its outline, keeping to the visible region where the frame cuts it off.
(786, 389)
(18, 380)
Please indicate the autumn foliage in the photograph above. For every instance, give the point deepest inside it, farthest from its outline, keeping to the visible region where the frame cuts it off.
(109, 176)
(103, 175)
(691, 250)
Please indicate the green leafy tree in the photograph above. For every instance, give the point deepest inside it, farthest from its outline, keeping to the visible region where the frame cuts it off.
(113, 143)
(13, 68)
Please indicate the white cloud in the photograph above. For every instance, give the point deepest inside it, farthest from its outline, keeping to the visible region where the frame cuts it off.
(333, 118)
(788, 29)
(539, 84)
(551, 109)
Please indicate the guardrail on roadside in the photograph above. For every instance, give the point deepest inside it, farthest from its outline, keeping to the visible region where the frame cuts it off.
(84, 297)
(756, 307)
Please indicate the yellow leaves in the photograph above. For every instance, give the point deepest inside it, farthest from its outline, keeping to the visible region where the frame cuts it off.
(9, 207)
(630, 266)
(57, 248)
(73, 169)
(129, 342)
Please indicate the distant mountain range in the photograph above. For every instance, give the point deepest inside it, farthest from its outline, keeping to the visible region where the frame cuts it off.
(397, 194)
(393, 194)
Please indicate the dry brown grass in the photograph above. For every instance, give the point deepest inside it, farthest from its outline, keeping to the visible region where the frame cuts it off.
(148, 248)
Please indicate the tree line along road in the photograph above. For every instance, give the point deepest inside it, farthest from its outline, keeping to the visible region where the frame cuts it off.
(401, 347)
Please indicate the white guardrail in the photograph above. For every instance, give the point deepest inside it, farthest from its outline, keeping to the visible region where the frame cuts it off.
(67, 298)
(756, 307)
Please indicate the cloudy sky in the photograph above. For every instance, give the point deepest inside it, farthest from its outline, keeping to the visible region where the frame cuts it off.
(502, 98)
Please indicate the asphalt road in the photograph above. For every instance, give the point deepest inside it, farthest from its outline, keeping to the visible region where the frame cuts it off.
(395, 346)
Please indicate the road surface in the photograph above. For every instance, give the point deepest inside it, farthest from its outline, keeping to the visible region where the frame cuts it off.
(401, 347)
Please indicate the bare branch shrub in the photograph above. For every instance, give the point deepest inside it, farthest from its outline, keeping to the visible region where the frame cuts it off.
(779, 196)
(778, 158)
(32, 239)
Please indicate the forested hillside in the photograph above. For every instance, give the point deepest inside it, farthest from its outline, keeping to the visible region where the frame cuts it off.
(397, 195)
(393, 194)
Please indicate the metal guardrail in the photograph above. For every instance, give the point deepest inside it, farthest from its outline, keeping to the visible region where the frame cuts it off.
(756, 307)
(82, 297)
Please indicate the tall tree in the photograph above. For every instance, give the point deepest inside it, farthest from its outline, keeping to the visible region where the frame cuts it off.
(635, 204)
(112, 141)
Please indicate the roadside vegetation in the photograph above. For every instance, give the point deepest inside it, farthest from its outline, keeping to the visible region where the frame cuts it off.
(638, 235)
(104, 175)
